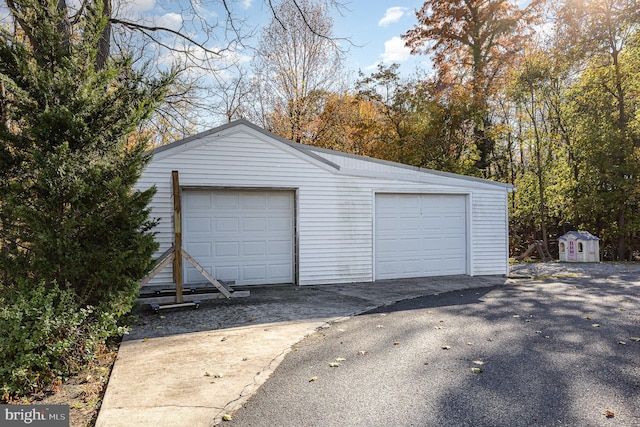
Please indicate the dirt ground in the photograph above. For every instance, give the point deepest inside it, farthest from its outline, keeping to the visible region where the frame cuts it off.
(84, 392)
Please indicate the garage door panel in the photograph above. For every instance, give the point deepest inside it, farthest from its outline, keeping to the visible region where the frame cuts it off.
(198, 201)
(227, 273)
(250, 235)
(257, 248)
(279, 224)
(225, 249)
(222, 201)
(254, 224)
(199, 249)
(254, 201)
(420, 235)
(282, 201)
(279, 248)
(226, 225)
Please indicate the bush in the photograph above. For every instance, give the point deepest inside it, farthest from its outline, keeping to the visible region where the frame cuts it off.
(45, 336)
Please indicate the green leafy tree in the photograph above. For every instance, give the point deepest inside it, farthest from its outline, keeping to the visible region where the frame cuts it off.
(601, 37)
(68, 210)
(472, 44)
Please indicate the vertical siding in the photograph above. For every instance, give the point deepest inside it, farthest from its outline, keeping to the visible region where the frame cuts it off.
(334, 211)
(490, 252)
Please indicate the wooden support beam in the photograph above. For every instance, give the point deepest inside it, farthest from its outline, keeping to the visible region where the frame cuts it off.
(163, 261)
(225, 290)
(177, 239)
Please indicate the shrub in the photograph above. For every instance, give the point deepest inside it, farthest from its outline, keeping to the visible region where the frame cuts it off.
(46, 336)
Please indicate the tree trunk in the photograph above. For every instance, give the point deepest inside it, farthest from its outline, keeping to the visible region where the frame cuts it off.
(104, 45)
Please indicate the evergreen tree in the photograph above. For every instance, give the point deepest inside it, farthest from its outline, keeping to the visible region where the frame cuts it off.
(68, 160)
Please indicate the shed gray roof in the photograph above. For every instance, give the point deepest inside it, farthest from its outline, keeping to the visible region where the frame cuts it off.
(311, 151)
(582, 235)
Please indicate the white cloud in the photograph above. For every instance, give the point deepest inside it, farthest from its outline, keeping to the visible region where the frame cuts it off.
(173, 21)
(246, 4)
(373, 66)
(395, 50)
(392, 15)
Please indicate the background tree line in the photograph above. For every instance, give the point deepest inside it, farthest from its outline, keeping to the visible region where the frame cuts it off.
(544, 97)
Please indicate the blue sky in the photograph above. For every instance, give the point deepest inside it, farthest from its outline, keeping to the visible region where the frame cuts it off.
(376, 27)
(373, 27)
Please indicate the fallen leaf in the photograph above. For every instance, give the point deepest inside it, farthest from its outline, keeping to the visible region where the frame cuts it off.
(159, 327)
(622, 343)
(312, 379)
(516, 315)
(341, 359)
(636, 339)
(596, 325)
(469, 343)
(622, 309)
(478, 362)
(609, 414)
(333, 364)
(588, 317)
(227, 417)
(163, 317)
(445, 347)
(476, 370)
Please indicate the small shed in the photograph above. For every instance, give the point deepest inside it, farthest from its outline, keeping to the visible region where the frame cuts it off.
(579, 246)
(258, 210)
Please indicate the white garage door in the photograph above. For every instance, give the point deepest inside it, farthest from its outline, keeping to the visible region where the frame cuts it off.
(241, 236)
(420, 235)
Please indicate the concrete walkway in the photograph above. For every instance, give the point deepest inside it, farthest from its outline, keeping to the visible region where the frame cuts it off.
(191, 367)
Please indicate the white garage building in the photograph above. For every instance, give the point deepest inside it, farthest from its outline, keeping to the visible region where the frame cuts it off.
(258, 209)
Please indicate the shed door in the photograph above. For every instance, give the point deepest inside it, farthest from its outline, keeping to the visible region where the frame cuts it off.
(241, 236)
(420, 235)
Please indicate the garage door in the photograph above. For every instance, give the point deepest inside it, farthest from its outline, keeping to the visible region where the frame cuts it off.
(420, 235)
(241, 236)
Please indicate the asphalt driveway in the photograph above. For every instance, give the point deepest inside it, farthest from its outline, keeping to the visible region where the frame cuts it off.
(560, 350)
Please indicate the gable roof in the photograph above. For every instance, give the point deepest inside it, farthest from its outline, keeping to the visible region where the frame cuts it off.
(315, 153)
